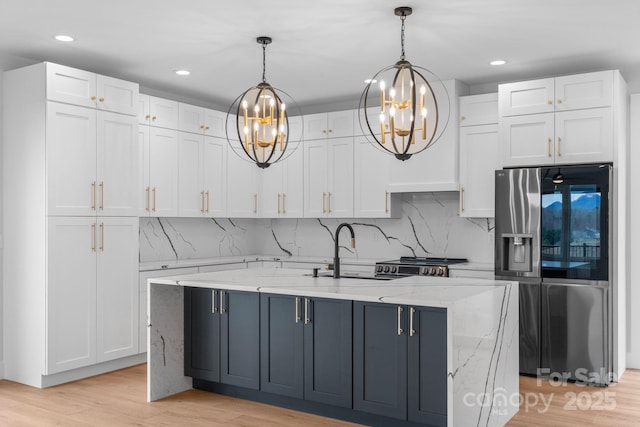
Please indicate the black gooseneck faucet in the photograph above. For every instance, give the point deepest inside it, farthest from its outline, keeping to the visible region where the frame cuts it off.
(336, 258)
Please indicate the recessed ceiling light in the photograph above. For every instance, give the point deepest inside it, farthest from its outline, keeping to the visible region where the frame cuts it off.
(63, 38)
(498, 62)
(367, 81)
(183, 72)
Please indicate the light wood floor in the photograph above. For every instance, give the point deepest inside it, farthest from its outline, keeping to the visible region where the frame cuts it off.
(119, 399)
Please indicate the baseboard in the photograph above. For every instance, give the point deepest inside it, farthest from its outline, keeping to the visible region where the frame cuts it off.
(1, 369)
(93, 370)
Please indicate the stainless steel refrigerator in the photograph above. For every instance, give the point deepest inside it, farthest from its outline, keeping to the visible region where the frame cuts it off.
(553, 234)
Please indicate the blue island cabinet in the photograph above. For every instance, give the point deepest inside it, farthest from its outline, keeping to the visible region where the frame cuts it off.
(221, 331)
(306, 348)
(400, 362)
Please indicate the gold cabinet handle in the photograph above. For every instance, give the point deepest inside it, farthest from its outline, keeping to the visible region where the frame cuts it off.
(549, 147)
(202, 201)
(201, 126)
(279, 195)
(461, 199)
(93, 98)
(101, 99)
(154, 199)
(153, 118)
(284, 201)
(206, 193)
(206, 128)
(559, 141)
(93, 232)
(462, 118)
(255, 203)
(148, 191)
(386, 201)
(307, 320)
(323, 196)
(147, 117)
(550, 102)
(330, 130)
(400, 330)
(101, 195)
(102, 236)
(559, 101)
(223, 308)
(297, 309)
(324, 131)
(329, 204)
(93, 191)
(213, 301)
(412, 331)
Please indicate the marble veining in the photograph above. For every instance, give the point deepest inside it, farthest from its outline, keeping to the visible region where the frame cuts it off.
(430, 225)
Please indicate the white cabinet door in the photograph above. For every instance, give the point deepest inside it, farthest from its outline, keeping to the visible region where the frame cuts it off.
(71, 293)
(371, 195)
(272, 179)
(191, 200)
(340, 124)
(117, 95)
(144, 188)
(527, 140)
(215, 123)
(190, 118)
(117, 164)
(163, 113)
(584, 136)
(315, 178)
(163, 172)
(315, 126)
(71, 160)
(479, 158)
(589, 90)
(71, 86)
(340, 184)
(214, 176)
(242, 194)
(530, 97)
(479, 109)
(293, 190)
(117, 288)
(144, 116)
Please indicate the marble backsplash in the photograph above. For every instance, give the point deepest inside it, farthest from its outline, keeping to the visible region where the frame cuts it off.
(429, 226)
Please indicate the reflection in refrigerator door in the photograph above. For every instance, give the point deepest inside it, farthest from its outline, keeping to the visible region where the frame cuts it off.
(529, 311)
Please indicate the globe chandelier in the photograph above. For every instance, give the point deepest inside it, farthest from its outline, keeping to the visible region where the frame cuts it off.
(258, 126)
(406, 113)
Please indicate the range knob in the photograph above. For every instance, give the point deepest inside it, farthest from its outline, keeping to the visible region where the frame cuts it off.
(440, 271)
(394, 268)
(386, 268)
(424, 271)
(378, 269)
(432, 271)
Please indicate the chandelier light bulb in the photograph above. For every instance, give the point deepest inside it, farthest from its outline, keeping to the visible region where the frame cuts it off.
(423, 90)
(382, 85)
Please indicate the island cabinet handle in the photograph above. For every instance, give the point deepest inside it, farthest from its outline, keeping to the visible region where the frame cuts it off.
(297, 309)
(412, 331)
(400, 330)
(306, 311)
(213, 301)
(223, 309)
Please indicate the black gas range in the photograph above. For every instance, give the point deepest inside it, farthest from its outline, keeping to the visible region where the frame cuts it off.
(416, 266)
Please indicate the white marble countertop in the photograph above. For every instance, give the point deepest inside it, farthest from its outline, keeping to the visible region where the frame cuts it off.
(480, 266)
(425, 291)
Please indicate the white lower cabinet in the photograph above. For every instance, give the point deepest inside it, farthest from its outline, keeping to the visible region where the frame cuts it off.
(92, 294)
(479, 158)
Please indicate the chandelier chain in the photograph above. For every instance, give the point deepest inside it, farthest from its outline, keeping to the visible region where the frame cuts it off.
(264, 62)
(402, 18)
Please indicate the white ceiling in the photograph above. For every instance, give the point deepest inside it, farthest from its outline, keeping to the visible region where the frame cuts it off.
(322, 50)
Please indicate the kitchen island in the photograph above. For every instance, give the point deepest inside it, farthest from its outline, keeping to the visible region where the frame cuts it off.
(455, 342)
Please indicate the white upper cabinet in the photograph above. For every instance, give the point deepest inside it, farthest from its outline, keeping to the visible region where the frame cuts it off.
(162, 158)
(480, 154)
(158, 112)
(589, 90)
(335, 124)
(78, 87)
(242, 187)
(479, 109)
(328, 178)
(436, 168)
(214, 176)
(282, 188)
(201, 120)
(371, 178)
(577, 125)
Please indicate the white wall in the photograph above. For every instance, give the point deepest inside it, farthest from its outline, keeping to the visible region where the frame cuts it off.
(633, 289)
(1, 241)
